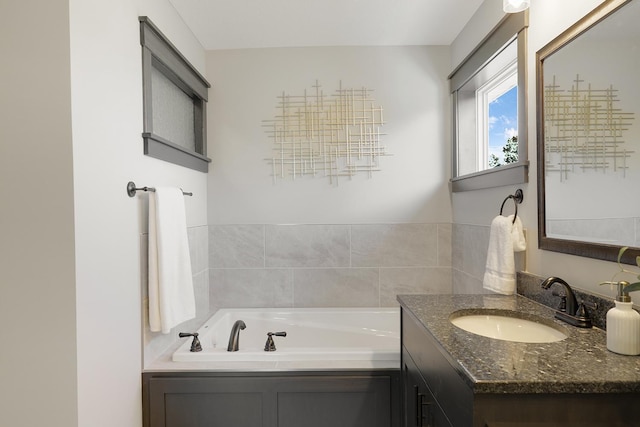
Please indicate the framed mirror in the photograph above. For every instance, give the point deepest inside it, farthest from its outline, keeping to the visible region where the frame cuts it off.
(588, 126)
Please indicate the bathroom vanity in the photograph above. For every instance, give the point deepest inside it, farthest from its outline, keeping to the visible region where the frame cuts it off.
(452, 377)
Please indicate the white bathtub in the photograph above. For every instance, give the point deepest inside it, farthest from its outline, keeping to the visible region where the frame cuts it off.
(367, 337)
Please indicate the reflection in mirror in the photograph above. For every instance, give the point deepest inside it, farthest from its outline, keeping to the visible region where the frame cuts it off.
(588, 135)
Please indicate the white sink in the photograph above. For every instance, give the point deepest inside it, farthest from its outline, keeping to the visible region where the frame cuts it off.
(508, 326)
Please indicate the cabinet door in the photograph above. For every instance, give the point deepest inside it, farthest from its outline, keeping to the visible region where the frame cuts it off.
(420, 407)
(454, 396)
(210, 402)
(334, 401)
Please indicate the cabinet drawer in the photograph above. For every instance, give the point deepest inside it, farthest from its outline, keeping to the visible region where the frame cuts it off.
(453, 395)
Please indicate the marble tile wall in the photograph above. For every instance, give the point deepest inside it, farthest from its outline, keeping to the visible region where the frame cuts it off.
(326, 265)
(469, 256)
(156, 343)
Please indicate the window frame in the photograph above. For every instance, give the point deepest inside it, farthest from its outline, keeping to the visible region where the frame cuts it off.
(160, 54)
(513, 27)
(484, 98)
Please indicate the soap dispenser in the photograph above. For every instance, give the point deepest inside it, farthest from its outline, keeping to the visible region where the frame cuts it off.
(623, 325)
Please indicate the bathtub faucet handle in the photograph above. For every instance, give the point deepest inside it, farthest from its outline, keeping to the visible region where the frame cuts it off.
(270, 345)
(195, 344)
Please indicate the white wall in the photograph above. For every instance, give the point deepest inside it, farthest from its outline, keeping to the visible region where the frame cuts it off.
(548, 18)
(107, 123)
(71, 261)
(408, 82)
(481, 23)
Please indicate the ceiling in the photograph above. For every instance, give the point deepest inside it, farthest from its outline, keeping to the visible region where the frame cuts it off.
(241, 24)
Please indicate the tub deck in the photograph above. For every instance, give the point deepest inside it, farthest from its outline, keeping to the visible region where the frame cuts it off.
(318, 339)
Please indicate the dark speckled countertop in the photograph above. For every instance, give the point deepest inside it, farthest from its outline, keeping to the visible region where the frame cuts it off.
(579, 364)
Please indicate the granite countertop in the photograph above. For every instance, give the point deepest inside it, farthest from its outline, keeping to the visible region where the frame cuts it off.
(580, 363)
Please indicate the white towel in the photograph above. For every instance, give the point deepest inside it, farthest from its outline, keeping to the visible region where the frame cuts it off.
(171, 297)
(506, 237)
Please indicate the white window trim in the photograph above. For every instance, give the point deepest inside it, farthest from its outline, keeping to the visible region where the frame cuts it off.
(494, 88)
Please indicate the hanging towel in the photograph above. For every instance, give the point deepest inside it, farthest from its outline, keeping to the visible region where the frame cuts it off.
(505, 238)
(171, 297)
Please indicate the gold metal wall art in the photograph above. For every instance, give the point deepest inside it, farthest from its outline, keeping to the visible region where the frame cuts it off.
(319, 135)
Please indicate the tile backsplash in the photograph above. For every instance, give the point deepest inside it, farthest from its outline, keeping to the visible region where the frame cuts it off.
(326, 265)
(469, 252)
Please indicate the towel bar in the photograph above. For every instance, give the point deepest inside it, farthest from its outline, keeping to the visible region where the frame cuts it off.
(131, 189)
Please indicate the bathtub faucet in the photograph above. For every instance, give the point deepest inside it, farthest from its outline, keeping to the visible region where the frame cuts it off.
(234, 338)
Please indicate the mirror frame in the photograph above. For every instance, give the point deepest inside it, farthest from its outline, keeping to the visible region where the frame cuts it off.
(573, 247)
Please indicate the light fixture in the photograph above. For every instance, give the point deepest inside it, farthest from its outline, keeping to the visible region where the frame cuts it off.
(514, 6)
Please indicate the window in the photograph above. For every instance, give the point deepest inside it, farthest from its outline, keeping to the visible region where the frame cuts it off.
(174, 97)
(497, 106)
(489, 101)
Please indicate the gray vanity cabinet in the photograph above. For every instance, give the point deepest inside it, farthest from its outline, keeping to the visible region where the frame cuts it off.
(446, 400)
(435, 395)
(210, 399)
(420, 408)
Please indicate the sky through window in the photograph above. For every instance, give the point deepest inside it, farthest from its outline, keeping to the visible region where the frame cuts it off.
(503, 121)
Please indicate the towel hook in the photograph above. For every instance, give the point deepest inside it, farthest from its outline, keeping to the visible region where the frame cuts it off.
(517, 199)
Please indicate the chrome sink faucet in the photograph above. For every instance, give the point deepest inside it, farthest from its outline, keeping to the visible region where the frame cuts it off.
(575, 314)
(234, 337)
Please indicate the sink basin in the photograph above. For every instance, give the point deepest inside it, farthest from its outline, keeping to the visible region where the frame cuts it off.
(508, 325)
